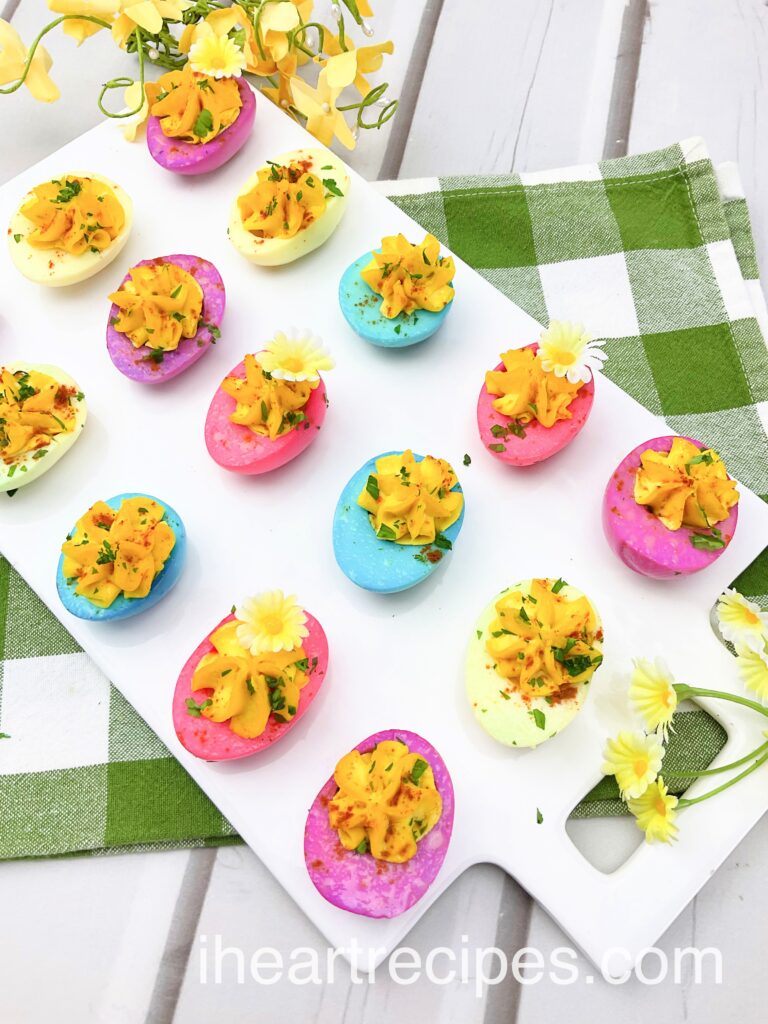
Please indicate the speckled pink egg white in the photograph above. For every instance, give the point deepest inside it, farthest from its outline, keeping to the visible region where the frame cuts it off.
(539, 442)
(135, 362)
(238, 449)
(358, 882)
(187, 158)
(639, 538)
(215, 741)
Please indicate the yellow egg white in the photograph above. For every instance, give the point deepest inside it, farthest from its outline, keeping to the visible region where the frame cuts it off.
(273, 252)
(55, 267)
(28, 468)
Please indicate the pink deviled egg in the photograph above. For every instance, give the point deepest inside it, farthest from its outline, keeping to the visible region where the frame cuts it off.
(670, 508)
(165, 316)
(251, 679)
(537, 399)
(271, 406)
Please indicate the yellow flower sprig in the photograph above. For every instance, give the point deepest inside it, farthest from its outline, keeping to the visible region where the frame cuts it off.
(271, 40)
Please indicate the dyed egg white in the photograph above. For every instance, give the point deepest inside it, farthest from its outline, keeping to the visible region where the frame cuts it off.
(512, 721)
(54, 267)
(383, 566)
(273, 252)
(360, 305)
(123, 607)
(26, 469)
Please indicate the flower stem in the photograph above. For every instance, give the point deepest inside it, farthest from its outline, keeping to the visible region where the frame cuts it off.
(123, 83)
(672, 774)
(684, 802)
(41, 34)
(683, 692)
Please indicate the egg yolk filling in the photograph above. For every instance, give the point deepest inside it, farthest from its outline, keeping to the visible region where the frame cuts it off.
(117, 552)
(244, 690)
(266, 405)
(192, 107)
(74, 214)
(386, 801)
(285, 200)
(35, 409)
(527, 392)
(410, 277)
(158, 306)
(685, 486)
(411, 502)
(544, 643)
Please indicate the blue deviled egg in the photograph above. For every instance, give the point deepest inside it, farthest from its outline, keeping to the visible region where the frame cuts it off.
(121, 557)
(396, 520)
(400, 294)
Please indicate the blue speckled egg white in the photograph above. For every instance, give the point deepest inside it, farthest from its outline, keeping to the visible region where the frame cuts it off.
(123, 607)
(360, 306)
(382, 566)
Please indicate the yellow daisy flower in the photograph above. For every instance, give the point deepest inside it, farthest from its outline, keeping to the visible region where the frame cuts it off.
(13, 57)
(655, 813)
(297, 355)
(753, 669)
(270, 622)
(741, 621)
(652, 694)
(216, 56)
(635, 759)
(566, 350)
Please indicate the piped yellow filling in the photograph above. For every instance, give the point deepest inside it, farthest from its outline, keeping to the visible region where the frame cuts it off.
(285, 200)
(386, 801)
(74, 214)
(543, 642)
(685, 486)
(191, 107)
(411, 502)
(246, 689)
(527, 392)
(158, 306)
(410, 277)
(111, 553)
(266, 405)
(34, 409)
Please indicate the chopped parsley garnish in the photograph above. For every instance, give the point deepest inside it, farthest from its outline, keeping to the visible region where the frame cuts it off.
(17, 238)
(68, 191)
(195, 709)
(106, 553)
(713, 541)
(419, 767)
(705, 458)
(372, 486)
(467, 460)
(204, 124)
(539, 817)
(362, 846)
(524, 614)
(539, 718)
(558, 585)
(441, 541)
(332, 187)
(40, 453)
(386, 532)
(176, 292)
(505, 695)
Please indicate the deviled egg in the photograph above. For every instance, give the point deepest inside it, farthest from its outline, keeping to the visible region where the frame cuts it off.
(121, 557)
(378, 831)
(165, 316)
(42, 412)
(289, 207)
(198, 121)
(69, 228)
(251, 679)
(531, 657)
(670, 508)
(271, 406)
(538, 398)
(396, 520)
(400, 294)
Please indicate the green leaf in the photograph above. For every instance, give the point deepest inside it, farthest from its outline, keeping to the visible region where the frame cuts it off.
(539, 817)
(332, 187)
(372, 486)
(497, 447)
(204, 124)
(713, 541)
(467, 460)
(539, 718)
(362, 846)
(386, 532)
(419, 767)
(195, 709)
(441, 541)
(558, 585)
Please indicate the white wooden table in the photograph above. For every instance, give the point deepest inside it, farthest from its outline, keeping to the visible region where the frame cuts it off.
(117, 940)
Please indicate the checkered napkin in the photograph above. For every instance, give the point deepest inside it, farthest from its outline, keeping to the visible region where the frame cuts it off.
(654, 253)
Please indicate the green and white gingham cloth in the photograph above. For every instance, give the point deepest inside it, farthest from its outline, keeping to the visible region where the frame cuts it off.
(653, 253)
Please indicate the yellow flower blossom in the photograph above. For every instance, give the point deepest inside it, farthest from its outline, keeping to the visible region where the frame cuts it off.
(653, 695)
(368, 59)
(79, 30)
(635, 759)
(741, 621)
(753, 669)
(216, 56)
(655, 813)
(147, 15)
(270, 622)
(295, 356)
(13, 57)
(319, 107)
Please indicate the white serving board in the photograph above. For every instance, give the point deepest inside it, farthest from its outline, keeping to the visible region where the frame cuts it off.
(395, 661)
